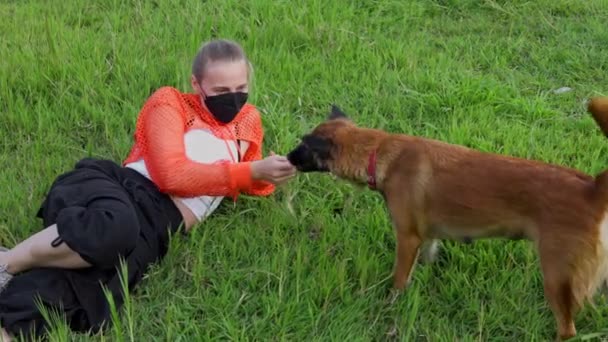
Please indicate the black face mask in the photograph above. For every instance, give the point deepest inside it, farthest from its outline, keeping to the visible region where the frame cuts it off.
(225, 107)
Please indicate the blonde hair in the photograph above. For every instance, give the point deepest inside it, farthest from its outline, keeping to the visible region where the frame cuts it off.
(219, 50)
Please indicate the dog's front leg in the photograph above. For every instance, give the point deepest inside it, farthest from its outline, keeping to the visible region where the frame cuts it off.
(408, 246)
(408, 240)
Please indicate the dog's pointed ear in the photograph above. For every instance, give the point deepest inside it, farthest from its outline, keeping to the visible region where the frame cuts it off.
(337, 113)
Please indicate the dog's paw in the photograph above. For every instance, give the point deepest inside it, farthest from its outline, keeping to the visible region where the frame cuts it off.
(393, 295)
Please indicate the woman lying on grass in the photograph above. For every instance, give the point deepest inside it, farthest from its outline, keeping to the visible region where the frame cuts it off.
(190, 151)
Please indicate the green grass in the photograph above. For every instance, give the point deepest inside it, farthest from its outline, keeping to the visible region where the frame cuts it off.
(313, 262)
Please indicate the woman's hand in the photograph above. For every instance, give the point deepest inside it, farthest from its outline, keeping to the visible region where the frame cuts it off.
(274, 169)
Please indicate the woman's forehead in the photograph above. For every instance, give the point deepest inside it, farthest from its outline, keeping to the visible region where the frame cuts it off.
(225, 73)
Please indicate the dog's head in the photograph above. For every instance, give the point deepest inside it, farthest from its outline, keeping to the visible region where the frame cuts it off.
(317, 149)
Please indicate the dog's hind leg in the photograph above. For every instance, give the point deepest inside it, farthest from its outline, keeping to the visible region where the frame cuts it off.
(429, 251)
(559, 292)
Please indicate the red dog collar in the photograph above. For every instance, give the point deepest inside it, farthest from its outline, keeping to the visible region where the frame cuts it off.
(371, 171)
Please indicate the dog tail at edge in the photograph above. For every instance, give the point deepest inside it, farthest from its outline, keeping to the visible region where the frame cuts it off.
(598, 107)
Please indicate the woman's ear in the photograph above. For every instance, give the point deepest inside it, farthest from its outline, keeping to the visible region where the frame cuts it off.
(196, 85)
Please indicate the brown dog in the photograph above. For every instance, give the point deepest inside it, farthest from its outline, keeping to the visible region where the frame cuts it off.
(434, 190)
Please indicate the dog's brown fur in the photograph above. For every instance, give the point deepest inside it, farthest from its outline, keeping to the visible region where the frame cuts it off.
(434, 190)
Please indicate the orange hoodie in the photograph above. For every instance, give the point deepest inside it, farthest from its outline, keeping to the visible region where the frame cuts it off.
(159, 139)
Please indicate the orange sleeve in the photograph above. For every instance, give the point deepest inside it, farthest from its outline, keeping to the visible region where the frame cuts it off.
(258, 188)
(173, 172)
(254, 152)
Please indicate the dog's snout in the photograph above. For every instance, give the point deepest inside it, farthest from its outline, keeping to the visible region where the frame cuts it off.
(297, 156)
(302, 158)
(292, 155)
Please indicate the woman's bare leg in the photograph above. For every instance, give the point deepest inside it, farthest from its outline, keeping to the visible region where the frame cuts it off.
(37, 251)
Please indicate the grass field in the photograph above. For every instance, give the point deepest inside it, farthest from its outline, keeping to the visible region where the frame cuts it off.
(313, 261)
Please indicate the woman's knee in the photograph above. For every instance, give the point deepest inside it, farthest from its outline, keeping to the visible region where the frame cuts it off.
(101, 234)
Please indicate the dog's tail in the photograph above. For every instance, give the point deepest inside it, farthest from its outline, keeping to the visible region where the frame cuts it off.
(598, 107)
